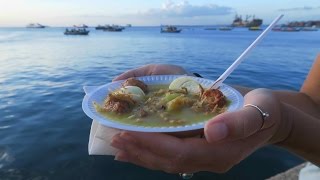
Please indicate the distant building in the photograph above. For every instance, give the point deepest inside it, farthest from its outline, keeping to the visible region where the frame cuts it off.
(304, 24)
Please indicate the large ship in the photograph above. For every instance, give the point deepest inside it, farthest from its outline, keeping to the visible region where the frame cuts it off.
(250, 21)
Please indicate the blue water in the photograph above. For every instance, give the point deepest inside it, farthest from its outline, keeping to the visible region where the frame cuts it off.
(44, 133)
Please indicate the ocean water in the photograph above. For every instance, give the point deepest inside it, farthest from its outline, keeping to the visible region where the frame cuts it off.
(44, 133)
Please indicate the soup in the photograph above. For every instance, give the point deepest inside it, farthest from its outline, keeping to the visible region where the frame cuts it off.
(162, 106)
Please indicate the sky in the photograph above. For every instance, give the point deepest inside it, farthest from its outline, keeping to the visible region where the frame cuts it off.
(15, 13)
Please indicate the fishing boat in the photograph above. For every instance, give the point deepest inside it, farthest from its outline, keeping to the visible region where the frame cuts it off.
(170, 29)
(76, 31)
(113, 28)
(35, 25)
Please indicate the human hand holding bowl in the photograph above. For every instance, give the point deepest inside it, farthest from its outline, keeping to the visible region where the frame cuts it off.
(230, 137)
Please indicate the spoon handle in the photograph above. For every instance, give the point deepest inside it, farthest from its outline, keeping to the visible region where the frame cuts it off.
(236, 63)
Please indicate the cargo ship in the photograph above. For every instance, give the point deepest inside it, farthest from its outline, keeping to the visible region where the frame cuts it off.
(248, 22)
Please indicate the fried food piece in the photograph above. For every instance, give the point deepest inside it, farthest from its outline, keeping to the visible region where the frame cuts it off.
(135, 82)
(118, 107)
(119, 103)
(211, 101)
(214, 97)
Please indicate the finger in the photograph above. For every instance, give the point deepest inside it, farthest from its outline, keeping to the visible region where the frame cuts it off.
(245, 122)
(189, 159)
(234, 125)
(170, 145)
(140, 157)
(142, 71)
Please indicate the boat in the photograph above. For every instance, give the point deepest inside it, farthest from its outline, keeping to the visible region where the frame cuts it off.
(276, 28)
(113, 28)
(239, 22)
(210, 28)
(290, 29)
(255, 28)
(35, 25)
(99, 27)
(129, 25)
(80, 26)
(170, 29)
(286, 29)
(76, 31)
(226, 28)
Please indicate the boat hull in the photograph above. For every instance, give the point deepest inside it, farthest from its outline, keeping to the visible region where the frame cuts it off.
(77, 33)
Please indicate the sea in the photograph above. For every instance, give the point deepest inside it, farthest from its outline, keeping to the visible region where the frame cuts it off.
(44, 132)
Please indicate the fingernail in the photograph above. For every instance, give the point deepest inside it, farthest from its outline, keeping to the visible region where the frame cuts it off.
(217, 131)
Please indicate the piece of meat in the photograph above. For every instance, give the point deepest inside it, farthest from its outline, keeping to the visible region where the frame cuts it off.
(135, 82)
(119, 103)
(118, 107)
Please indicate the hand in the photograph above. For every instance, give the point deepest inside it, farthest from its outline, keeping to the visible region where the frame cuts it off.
(230, 138)
(152, 69)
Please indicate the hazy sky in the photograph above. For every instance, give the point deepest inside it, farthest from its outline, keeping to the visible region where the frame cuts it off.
(150, 12)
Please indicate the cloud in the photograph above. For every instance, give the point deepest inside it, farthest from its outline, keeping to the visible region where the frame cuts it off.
(185, 9)
(169, 13)
(305, 8)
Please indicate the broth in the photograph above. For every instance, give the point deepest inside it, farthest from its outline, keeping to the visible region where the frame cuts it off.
(157, 110)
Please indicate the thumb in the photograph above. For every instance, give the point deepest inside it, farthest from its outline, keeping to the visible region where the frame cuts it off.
(233, 125)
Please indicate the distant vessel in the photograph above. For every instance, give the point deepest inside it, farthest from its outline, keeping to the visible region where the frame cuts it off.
(170, 29)
(99, 27)
(76, 31)
(81, 26)
(225, 28)
(313, 28)
(286, 29)
(239, 22)
(35, 25)
(129, 25)
(210, 28)
(113, 28)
